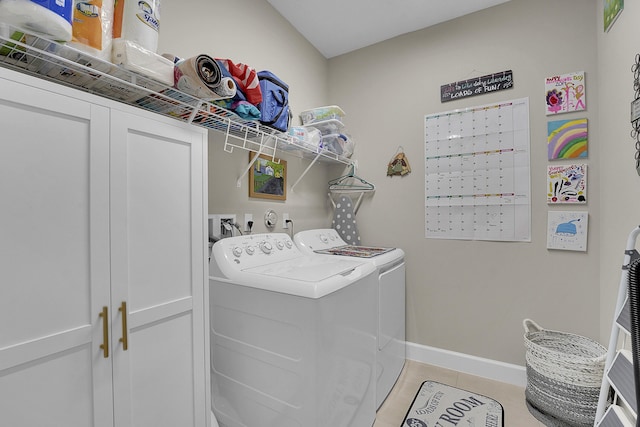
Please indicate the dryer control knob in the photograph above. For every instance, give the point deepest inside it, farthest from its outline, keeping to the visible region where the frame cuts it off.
(280, 245)
(288, 244)
(266, 247)
(237, 251)
(250, 250)
(323, 238)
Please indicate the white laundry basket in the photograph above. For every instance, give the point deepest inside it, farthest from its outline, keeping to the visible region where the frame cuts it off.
(564, 375)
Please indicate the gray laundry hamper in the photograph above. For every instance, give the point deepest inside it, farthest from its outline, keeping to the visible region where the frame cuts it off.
(564, 376)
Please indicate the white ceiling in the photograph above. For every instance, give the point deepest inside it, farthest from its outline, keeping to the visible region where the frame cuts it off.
(335, 27)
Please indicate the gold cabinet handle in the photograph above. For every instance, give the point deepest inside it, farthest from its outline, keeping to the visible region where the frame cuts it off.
(124, 340)
(105, 332)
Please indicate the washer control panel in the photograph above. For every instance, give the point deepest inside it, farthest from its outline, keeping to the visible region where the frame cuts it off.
(319, 239)
(256, 249)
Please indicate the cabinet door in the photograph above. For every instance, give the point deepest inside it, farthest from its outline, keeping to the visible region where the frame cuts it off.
(54, 260)
(158, 252)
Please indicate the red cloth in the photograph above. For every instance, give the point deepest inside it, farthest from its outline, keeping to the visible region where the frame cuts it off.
(246, 79)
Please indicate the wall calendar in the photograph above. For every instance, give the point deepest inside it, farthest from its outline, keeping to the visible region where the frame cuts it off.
(477, 173)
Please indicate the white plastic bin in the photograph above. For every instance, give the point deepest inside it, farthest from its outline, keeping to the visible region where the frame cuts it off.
(321, 113)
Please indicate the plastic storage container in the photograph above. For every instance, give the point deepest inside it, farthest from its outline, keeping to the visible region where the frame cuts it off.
(310, 138)
(321, 113)
(339, 144)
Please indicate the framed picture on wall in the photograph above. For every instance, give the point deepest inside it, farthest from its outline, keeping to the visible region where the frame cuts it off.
(567, 184)
(612, 9)
(268, 178)
(567, 230)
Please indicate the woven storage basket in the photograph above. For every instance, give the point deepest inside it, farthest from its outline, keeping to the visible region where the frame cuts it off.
(564, 374)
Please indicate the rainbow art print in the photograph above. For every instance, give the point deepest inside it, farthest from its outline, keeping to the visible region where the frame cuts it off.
(567, 139)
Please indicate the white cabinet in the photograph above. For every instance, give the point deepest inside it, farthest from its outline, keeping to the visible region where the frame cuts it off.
(101, 207)
(157, 268)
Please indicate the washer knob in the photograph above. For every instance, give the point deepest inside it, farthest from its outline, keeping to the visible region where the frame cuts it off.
(288, 244)
(279, 245)
(323, 238)
(250, 250)
(237, 251)
(266, 247)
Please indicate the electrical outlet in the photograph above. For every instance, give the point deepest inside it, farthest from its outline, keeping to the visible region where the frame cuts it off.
(285, 218)
(248, 218)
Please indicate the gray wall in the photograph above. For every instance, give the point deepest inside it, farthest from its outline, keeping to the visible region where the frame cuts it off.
(471, 296)
(253, 33)
(620, 195)
(464, 296)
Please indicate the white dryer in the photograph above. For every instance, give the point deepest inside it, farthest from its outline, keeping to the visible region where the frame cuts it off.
(293, 338)
(390, 302)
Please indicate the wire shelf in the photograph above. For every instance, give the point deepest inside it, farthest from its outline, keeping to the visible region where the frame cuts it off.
(32, 54)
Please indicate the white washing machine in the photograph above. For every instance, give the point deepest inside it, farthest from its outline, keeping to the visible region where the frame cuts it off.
(390, 266)
(293, 338)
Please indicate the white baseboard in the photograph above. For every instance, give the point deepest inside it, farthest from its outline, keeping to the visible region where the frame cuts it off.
(473, 365)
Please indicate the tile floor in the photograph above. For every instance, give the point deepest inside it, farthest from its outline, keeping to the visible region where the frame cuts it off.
(395, 407)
